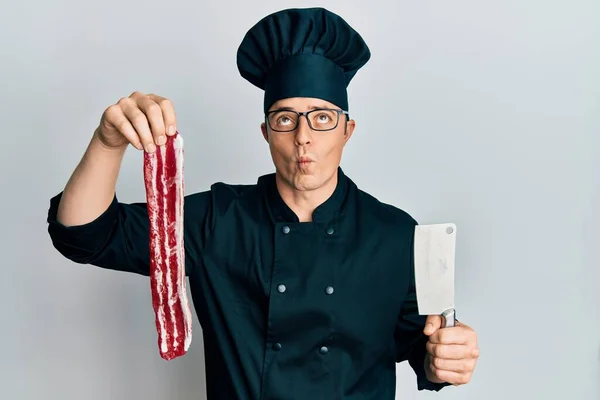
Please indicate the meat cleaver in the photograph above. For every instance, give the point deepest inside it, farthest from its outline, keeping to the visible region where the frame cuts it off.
(434, 254)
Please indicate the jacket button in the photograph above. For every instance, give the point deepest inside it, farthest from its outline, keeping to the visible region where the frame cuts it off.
(281, 288)
(329, 290)
(323, 350)
(330, 231)
(286, 229)
(276, 346)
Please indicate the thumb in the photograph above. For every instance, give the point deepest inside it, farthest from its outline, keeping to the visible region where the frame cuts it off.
(432, 324)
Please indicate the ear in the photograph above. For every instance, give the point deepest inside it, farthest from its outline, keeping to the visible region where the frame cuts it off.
(350, 125)
(263, 129)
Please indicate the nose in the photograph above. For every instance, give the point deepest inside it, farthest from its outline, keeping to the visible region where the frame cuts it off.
(303, 132)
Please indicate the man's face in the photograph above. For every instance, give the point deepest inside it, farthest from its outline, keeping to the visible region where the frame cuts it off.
(306, 159)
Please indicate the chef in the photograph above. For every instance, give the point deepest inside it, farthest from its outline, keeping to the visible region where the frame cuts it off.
(302, 282)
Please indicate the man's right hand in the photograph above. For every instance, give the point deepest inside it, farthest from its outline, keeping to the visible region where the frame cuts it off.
(140, 119)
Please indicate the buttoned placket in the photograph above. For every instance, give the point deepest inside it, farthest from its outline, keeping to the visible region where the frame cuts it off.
(284, 235)
(323, 254)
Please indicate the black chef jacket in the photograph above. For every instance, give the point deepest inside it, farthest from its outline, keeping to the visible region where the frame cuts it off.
(288, 309)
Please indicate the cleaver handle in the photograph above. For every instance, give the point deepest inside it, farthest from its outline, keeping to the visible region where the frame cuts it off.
(450, 317)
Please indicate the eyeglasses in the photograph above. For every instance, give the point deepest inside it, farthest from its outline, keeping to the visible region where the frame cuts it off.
(320, 119)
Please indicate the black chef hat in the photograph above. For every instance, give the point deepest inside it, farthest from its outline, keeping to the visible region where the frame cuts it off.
(308, 52)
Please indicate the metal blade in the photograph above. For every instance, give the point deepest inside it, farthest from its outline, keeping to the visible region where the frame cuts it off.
(434, 254)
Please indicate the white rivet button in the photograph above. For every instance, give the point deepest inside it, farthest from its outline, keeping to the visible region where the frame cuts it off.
(281, 288)
(330, 231)
(286, 229)
(329, 290)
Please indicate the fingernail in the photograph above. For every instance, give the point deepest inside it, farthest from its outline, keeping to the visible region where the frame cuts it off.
(429, 327)
(150, 148)
(171, 130)
(161, 140)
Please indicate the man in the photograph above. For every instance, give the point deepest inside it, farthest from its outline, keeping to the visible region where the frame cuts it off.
(302, 282)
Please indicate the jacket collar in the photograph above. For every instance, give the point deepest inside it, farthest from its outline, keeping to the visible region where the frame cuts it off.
(324, 213)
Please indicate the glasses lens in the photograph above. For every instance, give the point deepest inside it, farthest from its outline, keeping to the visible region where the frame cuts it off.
(323, 120)
(283, 120)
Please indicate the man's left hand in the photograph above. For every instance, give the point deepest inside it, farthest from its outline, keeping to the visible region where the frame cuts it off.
(451, 352)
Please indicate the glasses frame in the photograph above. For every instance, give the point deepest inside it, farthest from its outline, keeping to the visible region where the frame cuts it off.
(305, 114)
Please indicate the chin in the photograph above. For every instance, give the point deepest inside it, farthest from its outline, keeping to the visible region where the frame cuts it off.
(306, 182)
(301, 181)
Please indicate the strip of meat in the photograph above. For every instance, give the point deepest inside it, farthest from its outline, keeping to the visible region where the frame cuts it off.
(163, 178)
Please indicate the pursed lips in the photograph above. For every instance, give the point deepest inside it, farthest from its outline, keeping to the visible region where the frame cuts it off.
(304, 160)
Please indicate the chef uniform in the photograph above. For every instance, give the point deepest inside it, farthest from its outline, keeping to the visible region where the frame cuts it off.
(289, 310)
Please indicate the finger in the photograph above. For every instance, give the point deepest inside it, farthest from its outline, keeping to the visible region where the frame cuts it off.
(168, 112)
(461, 324)
(116, 117)
(464, 365)
(154, 115)
(451, 351)
(432, 324)
(140, 123)
(454, 378)
(453, 335)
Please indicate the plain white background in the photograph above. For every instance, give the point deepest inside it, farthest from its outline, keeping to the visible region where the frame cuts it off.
(481, 113)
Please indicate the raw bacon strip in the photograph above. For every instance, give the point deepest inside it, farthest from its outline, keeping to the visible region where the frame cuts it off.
(163, 178)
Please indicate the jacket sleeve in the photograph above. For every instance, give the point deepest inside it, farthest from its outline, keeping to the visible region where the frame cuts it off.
(409, 337)
(119, 238)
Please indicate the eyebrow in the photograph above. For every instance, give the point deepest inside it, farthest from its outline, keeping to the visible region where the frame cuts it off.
(312, 107)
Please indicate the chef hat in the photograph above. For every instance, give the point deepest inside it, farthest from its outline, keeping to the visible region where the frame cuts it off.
(308, 52)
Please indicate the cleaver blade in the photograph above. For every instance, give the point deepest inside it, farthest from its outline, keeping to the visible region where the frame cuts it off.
(434, 255)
